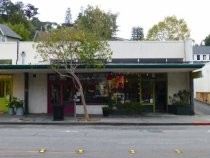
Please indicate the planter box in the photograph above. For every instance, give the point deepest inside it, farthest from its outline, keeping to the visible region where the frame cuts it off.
(147, 108)
(125, 112)
(180, 110)
(106, 111)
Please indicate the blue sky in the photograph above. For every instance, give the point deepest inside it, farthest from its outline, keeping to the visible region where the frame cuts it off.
(144, 13)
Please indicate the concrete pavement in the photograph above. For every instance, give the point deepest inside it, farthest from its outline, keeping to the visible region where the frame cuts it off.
(200, 118)
(146, 119)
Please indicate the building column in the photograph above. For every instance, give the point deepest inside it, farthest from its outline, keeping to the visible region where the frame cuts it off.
(26, 78)
(191, 92)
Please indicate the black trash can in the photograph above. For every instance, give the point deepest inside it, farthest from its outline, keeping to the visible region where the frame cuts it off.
(58, 113)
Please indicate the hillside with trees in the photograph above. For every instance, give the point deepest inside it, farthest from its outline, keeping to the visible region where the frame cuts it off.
(22, 18)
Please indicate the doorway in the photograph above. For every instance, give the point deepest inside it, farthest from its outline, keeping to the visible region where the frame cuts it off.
(61, 93)
(160, 96)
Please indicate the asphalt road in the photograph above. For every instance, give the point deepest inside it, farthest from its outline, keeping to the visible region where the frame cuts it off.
(104, 141)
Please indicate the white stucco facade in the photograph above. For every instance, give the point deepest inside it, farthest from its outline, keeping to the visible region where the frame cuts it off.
(24, 53)
(202, 84)
(18, 86)
(121, 49)
(177, 81)
(152, 49)
(37, 93)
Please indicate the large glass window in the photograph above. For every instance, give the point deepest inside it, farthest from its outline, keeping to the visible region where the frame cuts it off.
(147, 91)
(95, 87)
(132, 88)
(124, 88)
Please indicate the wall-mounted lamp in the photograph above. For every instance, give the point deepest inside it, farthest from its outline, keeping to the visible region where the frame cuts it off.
(23, 55)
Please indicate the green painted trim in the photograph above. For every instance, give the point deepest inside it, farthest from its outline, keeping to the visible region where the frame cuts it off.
(110, 65)
(156, 66)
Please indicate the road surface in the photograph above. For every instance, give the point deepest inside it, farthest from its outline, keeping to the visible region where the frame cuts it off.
(27, 141)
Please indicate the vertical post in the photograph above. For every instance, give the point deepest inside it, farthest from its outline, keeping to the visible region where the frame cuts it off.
(26, 78)
(75, 104)
(191, 92)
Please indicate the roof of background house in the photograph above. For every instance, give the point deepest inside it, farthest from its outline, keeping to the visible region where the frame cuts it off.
(201, 49)
(6, 31)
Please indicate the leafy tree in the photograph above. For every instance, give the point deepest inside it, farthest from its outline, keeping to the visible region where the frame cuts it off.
(98, 22)
(5, 7)
(30, 11)
(68, 18)
(170, 28)
(137, 34)
(21, 30)
(72, 48)
(207, 40)
(13, 14)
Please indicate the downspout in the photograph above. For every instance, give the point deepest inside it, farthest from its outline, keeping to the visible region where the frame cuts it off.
(17, 52)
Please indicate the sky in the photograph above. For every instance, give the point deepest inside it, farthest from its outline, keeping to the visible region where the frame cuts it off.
(143, 13)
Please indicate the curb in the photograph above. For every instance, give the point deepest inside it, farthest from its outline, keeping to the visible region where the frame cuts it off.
(106, 123)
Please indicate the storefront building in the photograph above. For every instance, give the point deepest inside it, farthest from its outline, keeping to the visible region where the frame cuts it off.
(140, 72)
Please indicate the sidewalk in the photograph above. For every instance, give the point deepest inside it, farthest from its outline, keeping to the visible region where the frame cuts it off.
(150, 119)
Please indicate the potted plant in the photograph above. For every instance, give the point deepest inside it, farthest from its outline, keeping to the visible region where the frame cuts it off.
(11, 106)
(106, 111)
(19, 107)
(180, 103)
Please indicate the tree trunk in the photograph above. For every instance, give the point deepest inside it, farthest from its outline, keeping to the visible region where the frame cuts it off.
(82, 96)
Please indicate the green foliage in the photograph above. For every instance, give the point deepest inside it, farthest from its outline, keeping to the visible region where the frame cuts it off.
(137, 34)
(182, 97)
(98, 22)
(15, 103)
(207, 40)
(30, 11)
(135, 107)
(170, 28)
(21, 30)
(17, 15)
(73, 47)
(69, 47)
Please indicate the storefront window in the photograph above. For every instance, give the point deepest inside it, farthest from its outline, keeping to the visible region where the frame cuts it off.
(95, 87)
(147, 92)
(132, 88)
(125, 88)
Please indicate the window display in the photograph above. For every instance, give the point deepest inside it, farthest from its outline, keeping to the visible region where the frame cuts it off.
(95, 87)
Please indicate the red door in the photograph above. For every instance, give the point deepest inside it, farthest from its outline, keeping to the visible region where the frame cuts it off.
(61, 93)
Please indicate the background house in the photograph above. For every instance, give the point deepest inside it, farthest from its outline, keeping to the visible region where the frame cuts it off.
(201, 54)
(7, 34)
(202, 84)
